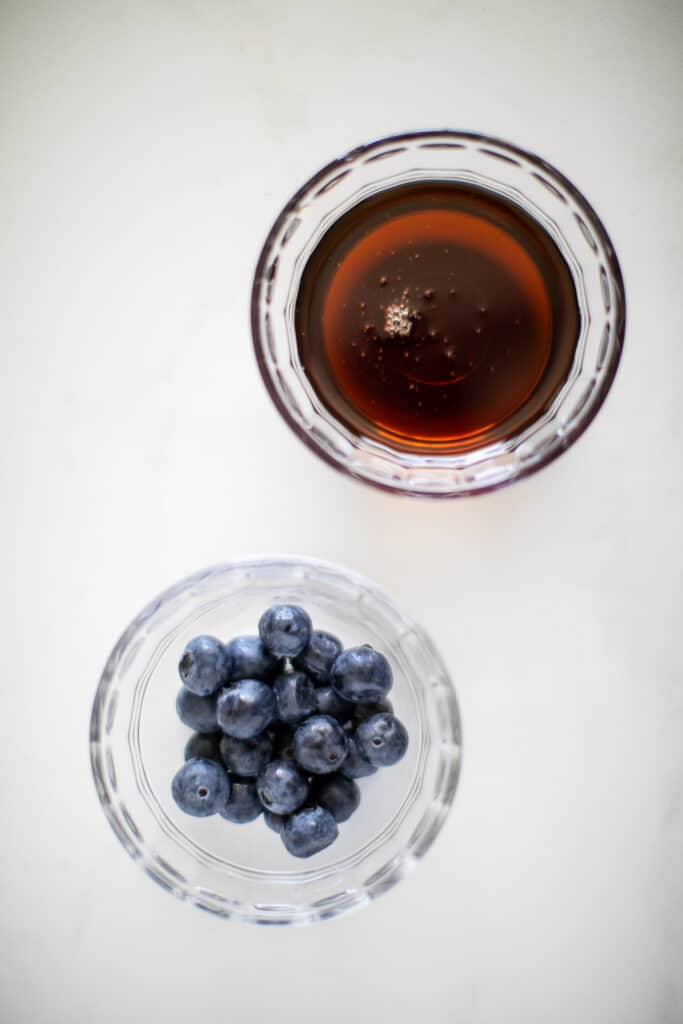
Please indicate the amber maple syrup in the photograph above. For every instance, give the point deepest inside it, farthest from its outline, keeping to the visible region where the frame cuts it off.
(436, 317)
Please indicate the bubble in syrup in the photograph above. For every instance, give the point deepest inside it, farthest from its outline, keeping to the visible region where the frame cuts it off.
(397, 321)
(382, 281)
(428, 293)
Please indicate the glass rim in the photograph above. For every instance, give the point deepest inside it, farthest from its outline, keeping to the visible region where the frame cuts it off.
(553, 180)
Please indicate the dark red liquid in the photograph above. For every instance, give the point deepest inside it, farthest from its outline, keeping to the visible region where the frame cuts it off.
(436, 316)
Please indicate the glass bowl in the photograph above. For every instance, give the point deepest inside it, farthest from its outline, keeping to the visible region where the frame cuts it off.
(445, 156)
(243, 872)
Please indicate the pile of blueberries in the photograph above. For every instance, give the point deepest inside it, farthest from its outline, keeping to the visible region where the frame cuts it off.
(285, 722)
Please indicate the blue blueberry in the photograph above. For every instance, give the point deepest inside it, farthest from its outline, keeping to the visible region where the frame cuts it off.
(330, 703)
(317, 658)
(245, 709)
(283, 742)
(246, 757)
(285, 630)
(338, 795)
(361, 674)
(309, 831)
(274, 821)
(205, 745)
(320, 745)
(356, 766)
(204, 666)
(250, 660)
(282, 787)
(199, 713)
(295, 697)
(200, 787)
(243, 804)
(364, 711)
(382, 740)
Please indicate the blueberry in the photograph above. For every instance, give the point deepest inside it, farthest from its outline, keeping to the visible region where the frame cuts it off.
(204, 666)
(243, 804)
(199, 713)
(283, 743)
(250, 660)
(330, 703)
(295, 697)
(285, 630)
(246, 757)
(200, 787)
(274, 821)
(320, 745)
(356, 766)
(338, 795)
(361, 674)
(245, 709)
(318, 657)
(204, 745)
(281, 787)
(364, 711)
(382, 740)
(309, 831)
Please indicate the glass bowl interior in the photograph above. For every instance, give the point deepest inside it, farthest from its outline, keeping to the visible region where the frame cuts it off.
(505, 171)
(243, 871)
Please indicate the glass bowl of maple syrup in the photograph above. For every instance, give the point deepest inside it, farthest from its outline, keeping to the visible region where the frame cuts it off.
(438, 313)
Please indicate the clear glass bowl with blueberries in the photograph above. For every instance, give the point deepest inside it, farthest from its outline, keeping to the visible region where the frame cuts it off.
(305, 759)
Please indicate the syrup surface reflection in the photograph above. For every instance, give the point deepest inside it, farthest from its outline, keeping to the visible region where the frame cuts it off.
(436, 316)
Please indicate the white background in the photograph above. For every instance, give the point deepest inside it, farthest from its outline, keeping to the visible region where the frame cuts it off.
(146, 148)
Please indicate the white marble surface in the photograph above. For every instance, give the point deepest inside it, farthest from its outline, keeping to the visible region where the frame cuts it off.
(146, 148)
